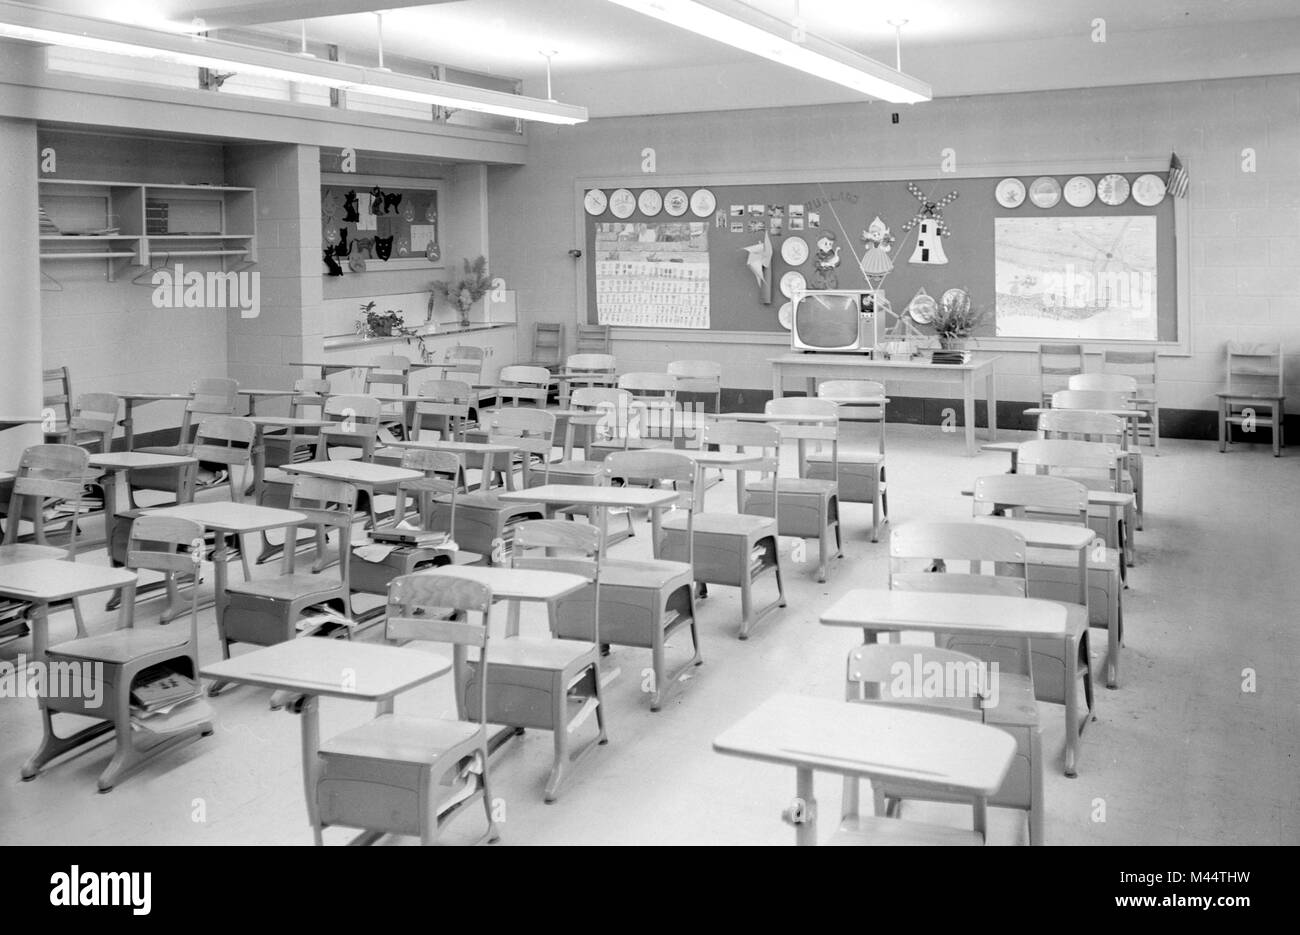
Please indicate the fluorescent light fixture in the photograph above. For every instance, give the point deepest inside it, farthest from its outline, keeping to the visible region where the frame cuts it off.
(740, 25)
(19, 21)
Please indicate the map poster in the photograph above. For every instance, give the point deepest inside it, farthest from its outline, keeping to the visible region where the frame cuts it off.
(653, 275)
(1076, 277)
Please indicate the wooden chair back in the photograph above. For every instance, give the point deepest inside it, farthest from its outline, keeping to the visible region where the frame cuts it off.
(57, 394)
(572, 548)
(994, 558)
(519, 381)
(173, 546)
(590, 363)
(1255, 370)
(1104, 383)
(328, 505)
(389, 370)
(47, 475)
(227, 441)
(354, 424)
(531, 430)
(95, 413)
(1032, 496)
(839, 390)
(449, 400)
(1090, 399)
(593, 339)
(873, 670)
(615, 407)
(1083, 425)
(308, 393)
(744, 436)
(1141, 366)
(1058, 455)
(1056, 364)
(548, 344)
(441, 470)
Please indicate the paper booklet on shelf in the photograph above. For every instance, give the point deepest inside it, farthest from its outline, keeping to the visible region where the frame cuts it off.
(160, 687)
(184, 714)
(950, 357)
(325, 622)
(404, 533)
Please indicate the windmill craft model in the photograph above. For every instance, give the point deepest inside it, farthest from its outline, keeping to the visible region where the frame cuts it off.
(929, 239)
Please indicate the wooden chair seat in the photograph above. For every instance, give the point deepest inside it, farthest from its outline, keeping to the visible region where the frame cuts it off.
(572, 472)
(295, 587)
(409, 740)
(121, 646)
(846, 457)
(26, 552)
(869, 831)
(549, 654)
(1251, 396)
(645, 573)
(742, 524)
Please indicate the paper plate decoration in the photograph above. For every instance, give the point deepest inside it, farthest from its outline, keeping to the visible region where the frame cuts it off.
(922, 308)
(622, 203)
(595, 201)
(408, 213)
(759, 260)
(1080, 191)
(676, 202)
(794, 250)
(331, 204)
(793, 282)
(650, 201)
(1010, 193)
(931, 228)
(876, 263)
(703, 203)
(1148, 190)
(956, 300)
(1113, 189)
(784, 315)
(1045, 192)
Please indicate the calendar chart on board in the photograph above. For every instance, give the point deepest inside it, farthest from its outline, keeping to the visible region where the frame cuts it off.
(653, 275)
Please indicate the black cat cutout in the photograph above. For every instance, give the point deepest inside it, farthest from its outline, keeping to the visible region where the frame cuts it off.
(332, 264)
(376, 200)
(350, 207)
(391, 201)
(342, 248)
(384, 248)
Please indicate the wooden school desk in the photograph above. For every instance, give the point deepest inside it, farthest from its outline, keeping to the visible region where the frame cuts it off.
(131, 400)
(874, 742)
(311, 668)
(815, 368)
(879, 610)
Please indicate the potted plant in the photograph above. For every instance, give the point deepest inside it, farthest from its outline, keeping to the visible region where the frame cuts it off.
(387, 324)
(954, 322)
(465, 292)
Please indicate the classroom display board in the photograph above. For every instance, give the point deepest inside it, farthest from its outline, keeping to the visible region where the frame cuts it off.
(1054, 257)
(653, 275)
(362, 223)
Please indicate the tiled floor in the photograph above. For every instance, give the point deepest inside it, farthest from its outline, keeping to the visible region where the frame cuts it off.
(1179, 754)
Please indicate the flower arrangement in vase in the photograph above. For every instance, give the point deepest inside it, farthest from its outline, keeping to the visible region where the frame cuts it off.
(954, 320)
(468, 290)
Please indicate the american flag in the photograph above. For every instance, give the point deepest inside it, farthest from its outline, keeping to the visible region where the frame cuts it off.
(1177, 181)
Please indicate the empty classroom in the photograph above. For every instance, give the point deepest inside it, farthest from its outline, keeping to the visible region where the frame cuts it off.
(616, 422)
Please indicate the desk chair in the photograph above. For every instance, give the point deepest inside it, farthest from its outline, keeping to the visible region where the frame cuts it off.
(354, 429)
(593, 339)
(1097, 466)
(810, 507)
(157, 543)
(861, 473)
(551, 683)
(872, 677)
(995, 563)
(56, 385)
(918, 550)
(1142, 367)
(390, 373)
(267, 611)
(482, 518)
(447, 404)
(1089, 426)
(213, 396)
(93, 420)
(294, 447)
(1255, 382)
(529, 383)
(698, 379)
(1056, 364)
(643, 603)
(585, 370)
(733, 549)
(610, 433)
(548, 346)
(440, 469)
(49, 481)
(1052, 574)
(408, 775)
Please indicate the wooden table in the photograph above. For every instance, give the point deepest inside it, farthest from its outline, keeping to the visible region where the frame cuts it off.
(131, 400)
(1046, 535)
(814, 368)
(118, 464)
(600, 499)
(312, 668)
(873, 742)
(489, 451)
(12, 422)
(224, 519)
(880, 610)
(326, 368)
(255, 394)
(43, 583)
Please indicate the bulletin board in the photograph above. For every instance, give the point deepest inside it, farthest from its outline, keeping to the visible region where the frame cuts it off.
(835, 215)
(368, 224)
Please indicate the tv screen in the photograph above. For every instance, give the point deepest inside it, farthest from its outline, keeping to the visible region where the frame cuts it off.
(828, 321)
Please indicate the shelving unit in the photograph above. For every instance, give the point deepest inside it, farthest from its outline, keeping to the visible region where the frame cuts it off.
(147, 224)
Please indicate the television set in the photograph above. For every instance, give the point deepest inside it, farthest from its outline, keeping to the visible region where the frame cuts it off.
(834, 320)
